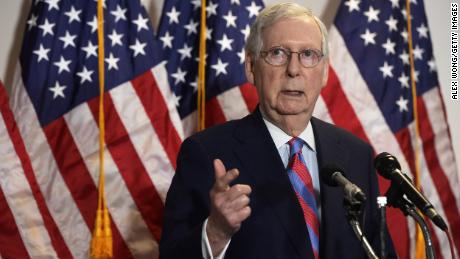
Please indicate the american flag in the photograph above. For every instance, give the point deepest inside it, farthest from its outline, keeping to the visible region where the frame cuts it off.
(50, 144)
(369, 93)
(228, 94)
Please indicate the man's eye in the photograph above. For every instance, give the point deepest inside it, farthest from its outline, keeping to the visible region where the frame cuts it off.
(277, 52)
(308, 53)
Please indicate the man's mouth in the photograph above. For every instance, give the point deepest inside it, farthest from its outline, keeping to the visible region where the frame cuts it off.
(293, 93)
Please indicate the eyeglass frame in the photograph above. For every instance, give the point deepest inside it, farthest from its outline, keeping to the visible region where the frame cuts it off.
(289, 53)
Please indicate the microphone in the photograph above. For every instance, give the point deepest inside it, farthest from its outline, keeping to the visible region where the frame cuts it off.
(333, 175)
(389, 167)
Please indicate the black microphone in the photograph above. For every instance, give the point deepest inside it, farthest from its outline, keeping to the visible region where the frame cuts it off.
(333, 175)
(389, 167)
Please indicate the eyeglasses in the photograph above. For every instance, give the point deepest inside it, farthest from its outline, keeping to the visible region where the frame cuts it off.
(278, 56)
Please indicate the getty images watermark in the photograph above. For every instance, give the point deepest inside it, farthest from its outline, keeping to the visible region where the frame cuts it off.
(454, 51)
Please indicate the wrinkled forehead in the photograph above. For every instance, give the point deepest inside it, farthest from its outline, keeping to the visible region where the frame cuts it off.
(293, 28)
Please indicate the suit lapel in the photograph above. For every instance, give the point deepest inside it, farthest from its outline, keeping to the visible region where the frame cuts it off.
(329, 150)
(260, 158)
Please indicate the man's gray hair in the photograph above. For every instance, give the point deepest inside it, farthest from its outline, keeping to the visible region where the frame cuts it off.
(271, 15)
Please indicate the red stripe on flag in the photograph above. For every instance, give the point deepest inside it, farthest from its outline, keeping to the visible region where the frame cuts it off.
(440, 180)
(78, 179)
(57, 240)
(156, 108)
(340, 109)
(214, 113)
(344, 116)
(131, 168)
(11, 245)
(249, 93)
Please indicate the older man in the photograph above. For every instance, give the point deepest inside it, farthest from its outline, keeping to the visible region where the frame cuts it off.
(271, 204)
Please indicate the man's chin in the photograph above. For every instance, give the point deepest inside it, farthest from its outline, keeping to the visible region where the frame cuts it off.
(291, 111)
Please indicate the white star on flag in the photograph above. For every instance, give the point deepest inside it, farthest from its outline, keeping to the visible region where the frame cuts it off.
(191, 27)
(372, 14)
(74, 15)
(42, 53)
(179, 76)
(138, 48)
(253, 9)
(68, 39)
(220, 67)
(112, 62)
(352, 5)
(85, 75)
(185, 52)
(93, 24)
(32, 22)
(115, 38)
(141, 23)
(389, 47)
(58, 90)
(173, 15)
(211, 9)
(90, 50)
(392, 24)
(418, 52)
(230, 19)
(402, 103)
(120, 14)
(386, 70)
(225, 43)
(52, 4)
(47, 28)
(404, 57)
(63, 64)
(422, 31)
(368, 37)
(167, 40)
(404, 80)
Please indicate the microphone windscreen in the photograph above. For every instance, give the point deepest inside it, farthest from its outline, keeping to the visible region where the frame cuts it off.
(327, 173)
(385, 163)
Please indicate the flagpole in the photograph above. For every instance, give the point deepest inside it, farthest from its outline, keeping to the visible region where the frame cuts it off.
(101, 242)
(201, 70)
(419, 243)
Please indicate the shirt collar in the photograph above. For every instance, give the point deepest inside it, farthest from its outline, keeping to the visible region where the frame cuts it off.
(280, 137)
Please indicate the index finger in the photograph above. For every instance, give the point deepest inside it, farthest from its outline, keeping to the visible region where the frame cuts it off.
(223, 178)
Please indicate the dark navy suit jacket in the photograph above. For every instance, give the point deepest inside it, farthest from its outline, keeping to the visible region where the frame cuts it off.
(276, 227)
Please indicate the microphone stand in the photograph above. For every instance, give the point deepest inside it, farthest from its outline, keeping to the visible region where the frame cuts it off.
(397, 200)
(353, 210)
(382, 203)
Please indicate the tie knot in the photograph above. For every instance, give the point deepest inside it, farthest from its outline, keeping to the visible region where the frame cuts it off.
(295, 146)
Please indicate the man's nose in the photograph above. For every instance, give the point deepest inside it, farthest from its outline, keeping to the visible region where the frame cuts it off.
(293, 66)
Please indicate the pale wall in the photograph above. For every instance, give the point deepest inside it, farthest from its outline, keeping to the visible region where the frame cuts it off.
(13, 14)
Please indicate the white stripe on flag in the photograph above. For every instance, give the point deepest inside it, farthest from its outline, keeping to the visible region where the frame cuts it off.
(161, 77)
(365, 107)
(362, 101)
(429, 190)
(69, 220)
(232, 104)
(443, 145)
(146, 141)
(190, 123)
(119, 201)
(19, 197)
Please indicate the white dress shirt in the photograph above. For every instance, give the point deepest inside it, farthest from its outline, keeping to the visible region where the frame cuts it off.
(280, 138)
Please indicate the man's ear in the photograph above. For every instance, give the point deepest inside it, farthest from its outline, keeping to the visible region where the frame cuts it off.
(325, 72)
(249, 68)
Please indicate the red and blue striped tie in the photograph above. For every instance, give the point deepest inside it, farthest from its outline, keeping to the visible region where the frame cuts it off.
(303, 187)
